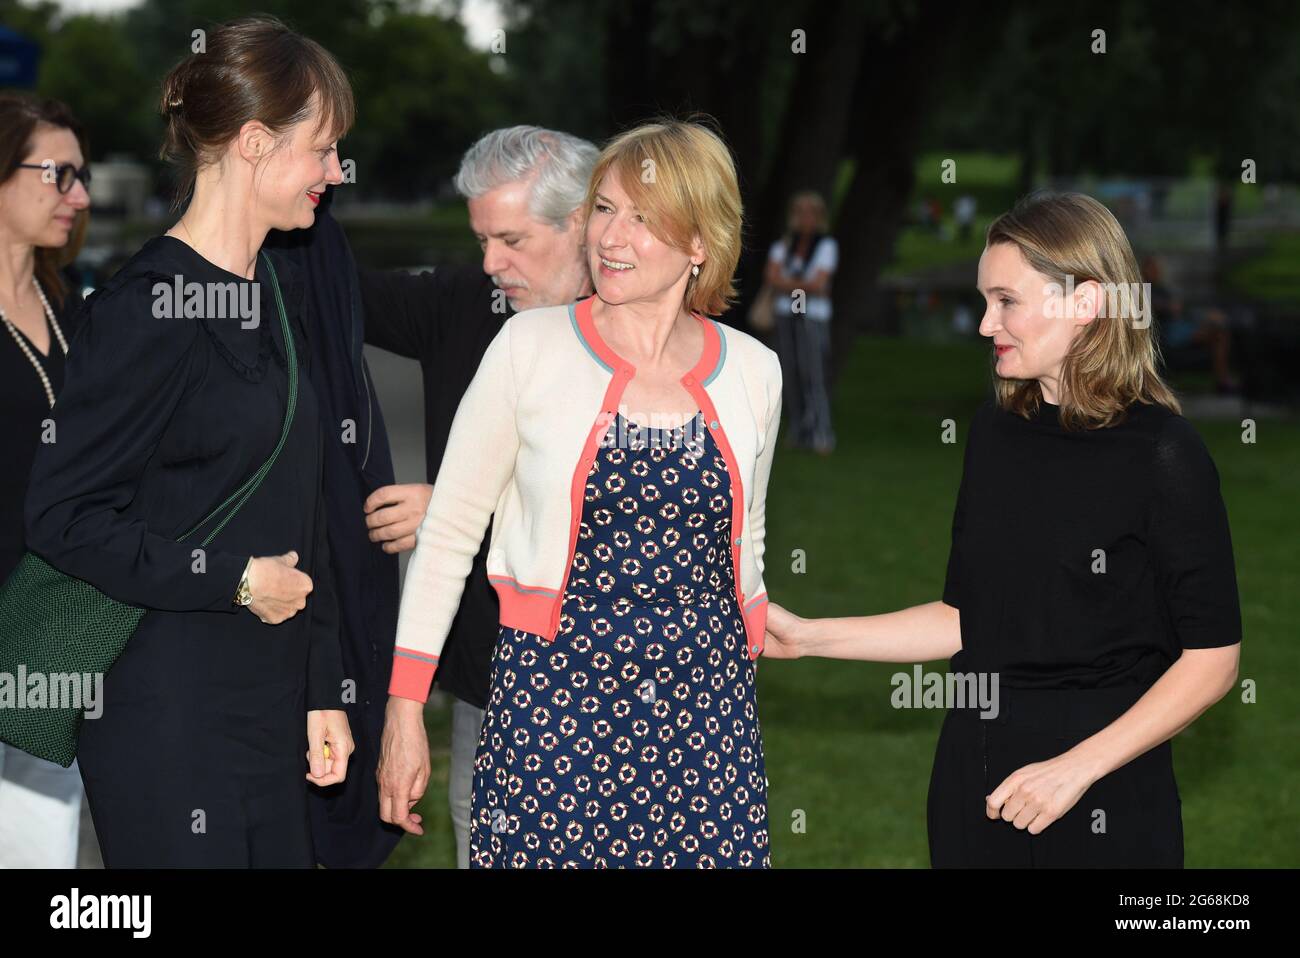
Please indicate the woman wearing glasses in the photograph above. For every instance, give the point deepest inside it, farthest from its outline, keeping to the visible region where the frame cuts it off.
(228, 700)
(43, 208)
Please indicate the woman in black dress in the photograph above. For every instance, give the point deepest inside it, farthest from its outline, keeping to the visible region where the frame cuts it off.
(1090, 585)
(171, 403)
(43, 208)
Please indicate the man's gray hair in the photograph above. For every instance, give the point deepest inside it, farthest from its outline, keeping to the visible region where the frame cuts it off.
(562, 162)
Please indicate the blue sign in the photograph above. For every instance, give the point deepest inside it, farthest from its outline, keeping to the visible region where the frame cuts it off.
(18, 59)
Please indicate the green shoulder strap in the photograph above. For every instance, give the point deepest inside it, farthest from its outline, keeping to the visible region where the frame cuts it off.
(241, 495)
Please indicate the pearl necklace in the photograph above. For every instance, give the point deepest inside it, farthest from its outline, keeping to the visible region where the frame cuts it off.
(27, 350)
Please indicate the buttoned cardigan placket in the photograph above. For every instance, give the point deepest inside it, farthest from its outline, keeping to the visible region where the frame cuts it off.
(621, 373)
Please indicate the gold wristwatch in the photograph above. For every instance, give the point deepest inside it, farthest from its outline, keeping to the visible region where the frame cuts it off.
(242, 595)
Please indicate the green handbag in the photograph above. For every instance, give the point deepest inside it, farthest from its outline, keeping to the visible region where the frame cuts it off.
(63, 628)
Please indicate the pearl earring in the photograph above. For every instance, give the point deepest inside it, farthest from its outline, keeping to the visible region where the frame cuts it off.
(695, 270)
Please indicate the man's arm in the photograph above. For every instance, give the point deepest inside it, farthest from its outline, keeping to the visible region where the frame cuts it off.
(404, 312)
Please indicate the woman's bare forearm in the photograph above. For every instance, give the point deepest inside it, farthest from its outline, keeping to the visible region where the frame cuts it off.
(1191, 685)
(921, 633)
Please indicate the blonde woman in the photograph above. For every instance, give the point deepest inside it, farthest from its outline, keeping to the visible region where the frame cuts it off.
(1091, 583)
(624, 445)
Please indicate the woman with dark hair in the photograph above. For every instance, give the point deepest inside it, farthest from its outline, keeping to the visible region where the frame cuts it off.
(1091, 594)
(178, 391)
(43, 209)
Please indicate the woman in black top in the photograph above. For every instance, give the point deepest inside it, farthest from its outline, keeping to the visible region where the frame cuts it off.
(1090, 593)
(41, 218)
(171, 403)
(43, 210)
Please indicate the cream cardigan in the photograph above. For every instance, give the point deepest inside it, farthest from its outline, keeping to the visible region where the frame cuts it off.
(518, 455)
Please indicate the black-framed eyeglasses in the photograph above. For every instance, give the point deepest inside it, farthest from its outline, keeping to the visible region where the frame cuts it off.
(65, 174)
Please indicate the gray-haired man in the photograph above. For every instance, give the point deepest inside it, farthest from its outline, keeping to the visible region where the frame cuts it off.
(524, 187)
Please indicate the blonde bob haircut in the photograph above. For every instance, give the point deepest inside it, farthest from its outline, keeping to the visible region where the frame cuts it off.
(1113, 360)
(681, 178)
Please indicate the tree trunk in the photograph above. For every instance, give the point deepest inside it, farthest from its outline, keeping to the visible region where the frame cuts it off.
(886, 124)
(809, 147)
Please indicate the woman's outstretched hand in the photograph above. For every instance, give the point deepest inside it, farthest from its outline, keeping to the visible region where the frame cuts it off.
(783, 637)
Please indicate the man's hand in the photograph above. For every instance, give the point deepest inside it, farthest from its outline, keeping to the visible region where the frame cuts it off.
(394, 513)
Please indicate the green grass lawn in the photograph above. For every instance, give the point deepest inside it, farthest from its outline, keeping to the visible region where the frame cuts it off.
(918, 250)
(1274, 275)
(873, 522)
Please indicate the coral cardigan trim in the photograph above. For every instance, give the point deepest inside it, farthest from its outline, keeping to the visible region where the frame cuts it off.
(537, 609)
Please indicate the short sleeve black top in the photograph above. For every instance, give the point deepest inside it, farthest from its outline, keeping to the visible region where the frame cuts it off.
(1088, 559)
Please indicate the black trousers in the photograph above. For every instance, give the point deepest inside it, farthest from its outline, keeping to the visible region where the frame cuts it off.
(1131, 818)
